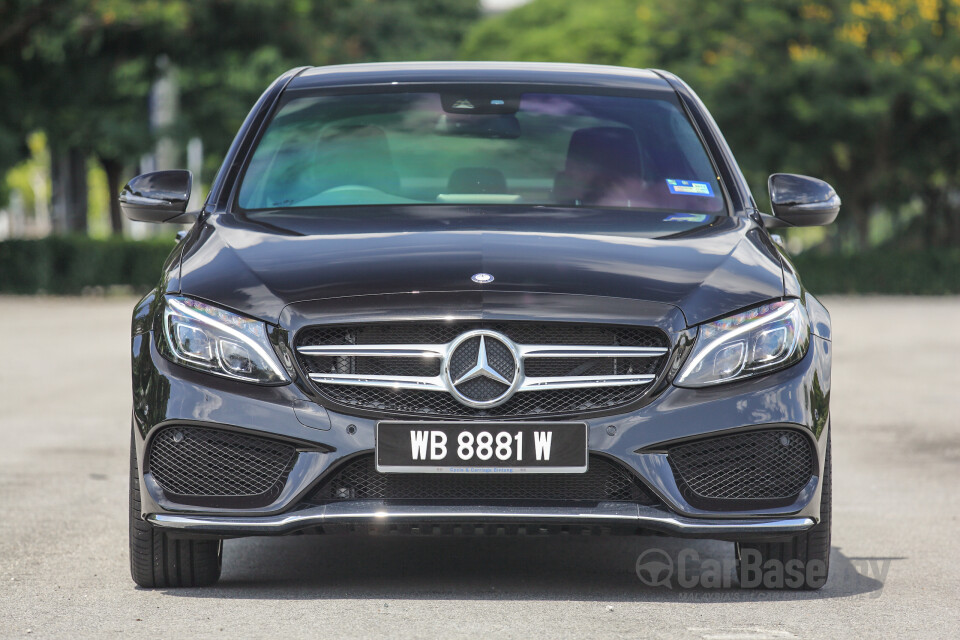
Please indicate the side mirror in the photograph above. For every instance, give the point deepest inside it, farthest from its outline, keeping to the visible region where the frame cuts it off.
(160, 196)
(801, 201)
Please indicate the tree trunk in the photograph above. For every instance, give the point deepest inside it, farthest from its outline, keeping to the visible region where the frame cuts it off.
(113, 168)
(68, 178)
(941, 218)
(856, 210)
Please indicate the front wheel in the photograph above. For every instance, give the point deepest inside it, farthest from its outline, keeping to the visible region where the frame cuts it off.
(802, 562)
(159, 561)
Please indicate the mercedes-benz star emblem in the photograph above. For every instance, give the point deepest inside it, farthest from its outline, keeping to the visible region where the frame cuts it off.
(482, 278)
(482, 369)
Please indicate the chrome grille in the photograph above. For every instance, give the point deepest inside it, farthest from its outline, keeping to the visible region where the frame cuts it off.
(397, 368)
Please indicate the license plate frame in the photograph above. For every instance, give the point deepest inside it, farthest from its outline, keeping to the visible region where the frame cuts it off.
(394, 436)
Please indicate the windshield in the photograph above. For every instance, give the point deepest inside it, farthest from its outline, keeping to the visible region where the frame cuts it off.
(481, 146)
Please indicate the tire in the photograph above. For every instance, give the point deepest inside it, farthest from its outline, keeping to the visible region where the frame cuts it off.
(159, 561)
(808, 553)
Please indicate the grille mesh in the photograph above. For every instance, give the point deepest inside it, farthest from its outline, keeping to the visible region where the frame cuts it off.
(379, 366)
(757, 465)
(547, 367)
(202, 462)
(519, 332)
(482, 389)
(440, 404)
(603, 481)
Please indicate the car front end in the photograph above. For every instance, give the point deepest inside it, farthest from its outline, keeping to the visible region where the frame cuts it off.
(227, 459)
(354, 360)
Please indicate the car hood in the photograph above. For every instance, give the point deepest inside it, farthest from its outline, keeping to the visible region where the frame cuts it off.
(258, 263)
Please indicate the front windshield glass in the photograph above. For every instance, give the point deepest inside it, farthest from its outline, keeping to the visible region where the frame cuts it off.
(481, 146)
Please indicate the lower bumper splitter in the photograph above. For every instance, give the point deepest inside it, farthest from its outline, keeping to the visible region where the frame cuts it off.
(611, 514)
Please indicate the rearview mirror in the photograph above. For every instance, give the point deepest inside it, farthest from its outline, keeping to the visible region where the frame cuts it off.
(802, 201)
(160, 196)
(505, 126)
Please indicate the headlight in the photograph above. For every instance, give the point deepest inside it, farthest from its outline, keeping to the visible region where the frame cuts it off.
(769, 337)
(205, 337)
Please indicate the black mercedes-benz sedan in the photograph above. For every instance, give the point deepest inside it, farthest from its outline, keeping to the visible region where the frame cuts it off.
(480, 298)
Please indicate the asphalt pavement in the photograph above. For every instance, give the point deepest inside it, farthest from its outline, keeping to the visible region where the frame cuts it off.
(64, 433)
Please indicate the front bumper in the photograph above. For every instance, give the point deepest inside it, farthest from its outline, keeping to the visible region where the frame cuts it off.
(167, 394)
(612, 515)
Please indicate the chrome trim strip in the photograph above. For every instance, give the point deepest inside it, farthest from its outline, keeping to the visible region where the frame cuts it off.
(438, 350)
(375, 512)
(376, 350)
(583, 382)
(573, 351)
(436, 383)
(391, 382)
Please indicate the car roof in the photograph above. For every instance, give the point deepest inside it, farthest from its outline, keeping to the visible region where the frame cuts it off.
(543, 73)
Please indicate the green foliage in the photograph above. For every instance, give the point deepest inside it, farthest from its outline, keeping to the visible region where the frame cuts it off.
(560, 31)
(232, 50)
(69, 264)
(918, 272)
(862, 93)
(82, 70)
(30, 177)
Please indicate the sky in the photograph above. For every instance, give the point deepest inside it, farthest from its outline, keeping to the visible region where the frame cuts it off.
(500, 5)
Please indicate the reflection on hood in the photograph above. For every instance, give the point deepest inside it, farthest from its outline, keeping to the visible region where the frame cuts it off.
(705, 265)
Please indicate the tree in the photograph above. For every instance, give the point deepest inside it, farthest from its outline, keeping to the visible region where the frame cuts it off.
(82, 70)
(234, 49)
(864, 94)
(85, 69)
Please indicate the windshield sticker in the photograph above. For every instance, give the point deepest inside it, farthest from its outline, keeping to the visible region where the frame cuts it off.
(690, 188)
(685, 217)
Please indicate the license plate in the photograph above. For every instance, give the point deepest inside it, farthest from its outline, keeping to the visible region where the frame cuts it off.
(492, 447)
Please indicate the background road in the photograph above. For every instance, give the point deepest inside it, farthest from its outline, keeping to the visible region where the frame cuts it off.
(64, 433)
